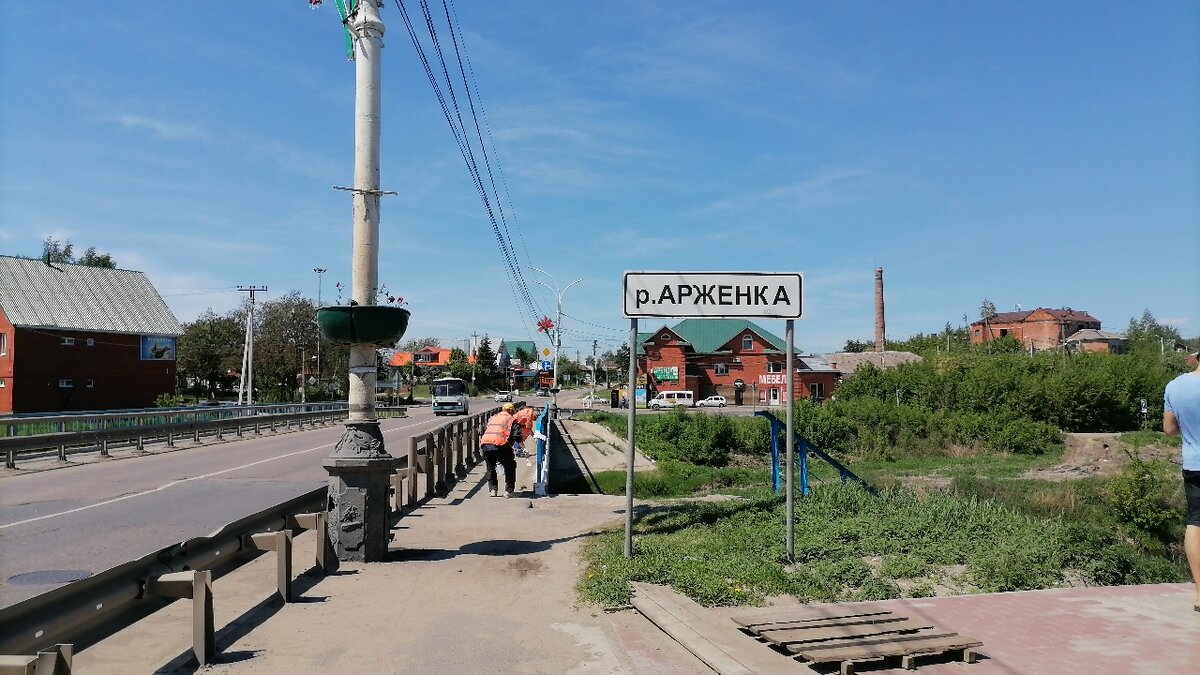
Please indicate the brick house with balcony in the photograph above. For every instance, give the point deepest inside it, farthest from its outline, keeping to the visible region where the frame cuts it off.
(1042, 328)
(74, 337)
(733, 358)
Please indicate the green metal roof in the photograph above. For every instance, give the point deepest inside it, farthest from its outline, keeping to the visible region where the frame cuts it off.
(709, 335)
(528, 345)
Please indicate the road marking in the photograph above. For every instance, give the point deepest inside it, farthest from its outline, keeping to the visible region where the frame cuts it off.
(185, 480)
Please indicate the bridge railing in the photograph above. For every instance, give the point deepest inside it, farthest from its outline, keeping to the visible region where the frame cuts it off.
(86, 611)
(92, 433)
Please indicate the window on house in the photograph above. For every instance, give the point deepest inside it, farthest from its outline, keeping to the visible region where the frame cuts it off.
(722, 369)
(817, 391)
(3, 384)
(1003, 332)
(68, 341)
(91, 384)
(3, 344)
(66, 384)
(91, 342)
(977, 331)
(774, 367)
(747, 342)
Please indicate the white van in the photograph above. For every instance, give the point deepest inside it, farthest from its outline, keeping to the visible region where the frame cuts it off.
(671, 399)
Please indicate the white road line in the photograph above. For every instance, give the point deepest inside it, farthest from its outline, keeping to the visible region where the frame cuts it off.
(184, 480)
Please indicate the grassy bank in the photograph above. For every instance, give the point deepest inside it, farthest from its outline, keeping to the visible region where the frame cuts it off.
(944, 524)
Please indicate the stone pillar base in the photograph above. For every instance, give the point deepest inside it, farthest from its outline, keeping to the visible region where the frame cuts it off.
(359, 478)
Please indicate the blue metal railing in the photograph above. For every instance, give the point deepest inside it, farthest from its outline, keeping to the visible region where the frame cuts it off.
(803, 447)
(540, 427)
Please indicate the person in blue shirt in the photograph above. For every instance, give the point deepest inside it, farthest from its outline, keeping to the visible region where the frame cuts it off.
(1181, 417)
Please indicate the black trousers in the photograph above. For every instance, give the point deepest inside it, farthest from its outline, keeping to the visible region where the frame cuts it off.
(502, 455)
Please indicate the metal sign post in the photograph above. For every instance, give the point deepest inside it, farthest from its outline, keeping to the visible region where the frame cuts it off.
(712, 295)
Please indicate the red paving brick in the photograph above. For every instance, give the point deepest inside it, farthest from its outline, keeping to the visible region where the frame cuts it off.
(1119, 630)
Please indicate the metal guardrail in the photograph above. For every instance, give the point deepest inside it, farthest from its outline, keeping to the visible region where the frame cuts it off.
(45, 424)
(86, 611)
(89, 610)
(101, 434)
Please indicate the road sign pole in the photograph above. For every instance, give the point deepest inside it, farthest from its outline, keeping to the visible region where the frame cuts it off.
(629, 452)
(791, 443)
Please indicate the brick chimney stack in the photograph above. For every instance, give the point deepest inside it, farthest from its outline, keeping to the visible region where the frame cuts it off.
(879, 324)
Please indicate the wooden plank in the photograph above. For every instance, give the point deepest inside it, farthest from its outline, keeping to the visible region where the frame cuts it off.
(824, 623)
(804, 613)
(798, 635)
(689, 624)
(684, 633)
(853, 642)
(751, 622)
(891, 648)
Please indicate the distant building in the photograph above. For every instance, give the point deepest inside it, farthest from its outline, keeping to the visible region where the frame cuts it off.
(1092, 340)
(1040, 328)
(733, 358)
(74, 337)
(426, 357)
(848, 362)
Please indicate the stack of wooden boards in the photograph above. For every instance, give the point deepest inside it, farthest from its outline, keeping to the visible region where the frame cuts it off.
(851, 633)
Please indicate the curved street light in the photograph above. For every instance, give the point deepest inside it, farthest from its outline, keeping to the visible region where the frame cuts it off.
(558, 294)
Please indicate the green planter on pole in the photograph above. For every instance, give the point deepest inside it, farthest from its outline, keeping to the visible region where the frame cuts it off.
(379, 325)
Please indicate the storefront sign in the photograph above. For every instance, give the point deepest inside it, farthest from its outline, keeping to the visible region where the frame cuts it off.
(772, 378)
(749, 295)
(667, 374)
(158, 348)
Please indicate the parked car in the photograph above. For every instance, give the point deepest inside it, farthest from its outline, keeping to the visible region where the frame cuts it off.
(712, 402)
(542, 391)
(671, 399)
(504, 396)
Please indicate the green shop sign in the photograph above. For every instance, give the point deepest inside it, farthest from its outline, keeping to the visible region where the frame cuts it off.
(669, 374)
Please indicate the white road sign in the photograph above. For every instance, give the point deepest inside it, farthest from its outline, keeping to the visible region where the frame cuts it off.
(749, 295)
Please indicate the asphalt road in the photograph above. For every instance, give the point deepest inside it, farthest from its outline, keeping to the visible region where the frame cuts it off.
(67, 523)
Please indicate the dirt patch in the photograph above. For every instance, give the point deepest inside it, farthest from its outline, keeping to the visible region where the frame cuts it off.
(1098, 454)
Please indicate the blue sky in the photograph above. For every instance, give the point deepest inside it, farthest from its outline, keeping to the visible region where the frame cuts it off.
(1041, 154)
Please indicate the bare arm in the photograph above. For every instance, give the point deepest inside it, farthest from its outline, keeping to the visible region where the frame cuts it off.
(1170, 424)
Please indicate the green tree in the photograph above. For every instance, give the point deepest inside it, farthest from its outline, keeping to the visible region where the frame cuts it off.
(622, 358)
(857, 347)
(208, 352)
(285, 337)
(1148, 335)
(485, 363)
(55, 251)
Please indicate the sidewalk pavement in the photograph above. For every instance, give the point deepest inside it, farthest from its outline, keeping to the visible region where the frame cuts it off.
(473, 584)
(479, 584)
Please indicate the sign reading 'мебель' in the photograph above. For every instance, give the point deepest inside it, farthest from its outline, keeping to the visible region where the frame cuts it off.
(750, 295)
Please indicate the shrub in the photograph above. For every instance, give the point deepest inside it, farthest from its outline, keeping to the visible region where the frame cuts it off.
(1138, 496)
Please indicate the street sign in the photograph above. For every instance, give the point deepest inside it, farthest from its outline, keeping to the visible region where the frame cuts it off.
(545, 351)
(546, 365)
(748, 295)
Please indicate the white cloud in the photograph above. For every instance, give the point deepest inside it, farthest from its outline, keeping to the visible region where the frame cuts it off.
(172, 131)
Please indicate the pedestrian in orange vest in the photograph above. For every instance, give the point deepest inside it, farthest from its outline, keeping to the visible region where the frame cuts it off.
(524, 418)
(497, 446)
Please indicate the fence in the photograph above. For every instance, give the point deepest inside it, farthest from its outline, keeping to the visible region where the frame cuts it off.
(92, 433)
(47, 628)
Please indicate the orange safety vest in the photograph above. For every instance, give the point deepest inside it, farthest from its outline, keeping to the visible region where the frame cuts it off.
(525, 417)
(498, 428)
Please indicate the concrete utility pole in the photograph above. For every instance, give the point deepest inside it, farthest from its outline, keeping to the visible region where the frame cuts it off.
(320, 276)
(360, 468)
(557, 333)
(595, 344)
(246, 384)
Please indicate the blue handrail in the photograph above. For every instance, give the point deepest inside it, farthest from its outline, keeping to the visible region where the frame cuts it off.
(804, 447)
(540, 425)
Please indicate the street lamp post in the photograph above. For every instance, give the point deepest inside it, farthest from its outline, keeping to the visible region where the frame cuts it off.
(360, 467)
(320, 276)
(558, 294)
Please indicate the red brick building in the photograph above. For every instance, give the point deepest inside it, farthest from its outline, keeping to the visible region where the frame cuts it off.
(734, 358)
(82, 338)
(1042, 328)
